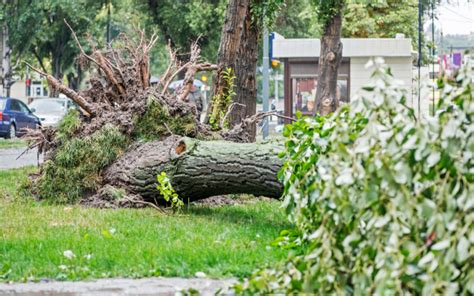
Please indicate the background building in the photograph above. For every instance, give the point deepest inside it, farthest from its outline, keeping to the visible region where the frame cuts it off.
(301, 56)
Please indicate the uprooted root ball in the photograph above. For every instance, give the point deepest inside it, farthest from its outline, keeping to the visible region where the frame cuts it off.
(119, 111)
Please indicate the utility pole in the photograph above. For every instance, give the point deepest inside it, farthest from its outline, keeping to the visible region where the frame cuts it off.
(275, 78)
(265, 80)
(420, 26)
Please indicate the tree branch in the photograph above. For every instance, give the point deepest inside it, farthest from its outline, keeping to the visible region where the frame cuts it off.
(79, 44)
(35, 53)
(78, 99)
(100, 62)
(165, 87)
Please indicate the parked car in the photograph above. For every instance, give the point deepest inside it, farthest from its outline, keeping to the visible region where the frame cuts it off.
(15, 117)
(51, 110)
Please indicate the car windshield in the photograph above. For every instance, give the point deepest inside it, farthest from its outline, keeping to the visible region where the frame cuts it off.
(47, 106)
(2, 104)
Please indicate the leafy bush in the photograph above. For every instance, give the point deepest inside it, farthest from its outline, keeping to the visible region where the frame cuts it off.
(76, 166)
(384, 201)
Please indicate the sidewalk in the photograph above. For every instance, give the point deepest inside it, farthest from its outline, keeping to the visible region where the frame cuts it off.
(8, 158)
(106, 287)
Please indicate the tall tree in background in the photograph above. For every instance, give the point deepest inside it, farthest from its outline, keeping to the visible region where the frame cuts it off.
(6, 50)
(37, 28)
(229, 48)
(57, 41)
(246, 72)
(298, 19)
(183, 22)
(330, 13)
(363, 19)
(260, 13)
(381, 19)
(239, 51)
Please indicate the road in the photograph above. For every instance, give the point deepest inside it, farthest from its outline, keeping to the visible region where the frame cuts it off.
(8, 158)
(104, 287)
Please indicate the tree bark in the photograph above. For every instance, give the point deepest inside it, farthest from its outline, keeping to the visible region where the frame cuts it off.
(74, 81)
(6, 57)
(199, 169)
(329, 60)
(57, 73)
(229, 46)
(246, 72)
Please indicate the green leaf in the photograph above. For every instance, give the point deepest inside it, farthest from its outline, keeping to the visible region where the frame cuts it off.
(462, 249)
(441, 245)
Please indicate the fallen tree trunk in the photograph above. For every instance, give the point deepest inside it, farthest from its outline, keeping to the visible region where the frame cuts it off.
(199, 169)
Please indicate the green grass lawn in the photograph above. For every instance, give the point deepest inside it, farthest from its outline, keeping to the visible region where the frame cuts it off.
(11, 143)
(11, 179)
(222, 241)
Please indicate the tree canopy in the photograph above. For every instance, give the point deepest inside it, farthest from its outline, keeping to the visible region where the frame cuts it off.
(183, 22)
(37, 29)
(381, 19)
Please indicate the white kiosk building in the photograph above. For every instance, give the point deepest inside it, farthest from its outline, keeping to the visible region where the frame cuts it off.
(300, 58)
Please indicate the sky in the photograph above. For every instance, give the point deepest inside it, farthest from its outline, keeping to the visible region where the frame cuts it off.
(456, 17)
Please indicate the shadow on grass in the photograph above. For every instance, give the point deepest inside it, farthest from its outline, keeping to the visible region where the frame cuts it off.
(261, 214)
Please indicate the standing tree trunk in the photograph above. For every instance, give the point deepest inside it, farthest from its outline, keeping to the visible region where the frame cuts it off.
(246, 72)
(329, 60)
(228, 51)
(74, 81)
(6, 57)
(199, 169)
(57, 73)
